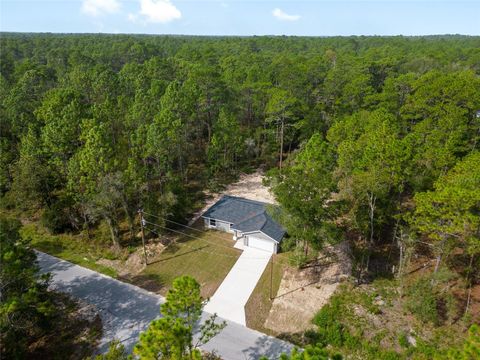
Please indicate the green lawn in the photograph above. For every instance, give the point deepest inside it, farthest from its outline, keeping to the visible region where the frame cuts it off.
(208, 258)
(259, 304)
(72, 248)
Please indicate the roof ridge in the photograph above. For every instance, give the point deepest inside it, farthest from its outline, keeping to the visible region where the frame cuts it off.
(269, 218)
(252, 217)
(266, 219)
(245, 199)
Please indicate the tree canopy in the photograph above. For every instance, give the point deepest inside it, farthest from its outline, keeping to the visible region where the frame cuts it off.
(96, 127)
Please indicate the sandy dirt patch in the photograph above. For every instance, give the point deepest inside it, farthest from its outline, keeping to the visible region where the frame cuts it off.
(135, 262)
(303, 292)
(248, 186)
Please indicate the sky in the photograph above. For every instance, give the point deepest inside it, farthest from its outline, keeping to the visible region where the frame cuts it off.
(243, 17)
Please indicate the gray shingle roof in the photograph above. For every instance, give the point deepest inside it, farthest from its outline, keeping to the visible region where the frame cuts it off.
(245, 215)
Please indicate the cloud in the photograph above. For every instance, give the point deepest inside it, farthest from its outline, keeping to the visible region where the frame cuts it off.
(157, 11)
(97, 7)
(132, 17)
(282, 15)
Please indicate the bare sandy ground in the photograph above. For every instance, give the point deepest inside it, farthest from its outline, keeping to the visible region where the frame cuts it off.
(302, 293)
(135, 262)
(248, 186)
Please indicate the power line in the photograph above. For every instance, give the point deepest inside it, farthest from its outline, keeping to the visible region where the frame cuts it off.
(281, 263)
(186, 226)
(192, 236)
(226, 268)
(185, 234)
(195, 237)
(198, 238)
(188, 268)
(189, 227)
(198, 248)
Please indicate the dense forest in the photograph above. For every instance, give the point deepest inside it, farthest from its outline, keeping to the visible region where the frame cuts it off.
(370, 139)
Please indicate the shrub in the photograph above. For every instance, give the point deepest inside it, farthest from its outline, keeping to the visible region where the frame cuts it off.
(403, 341)
(310, 352)
(330, 329)
(55, 217)
(288, 243)
(451, 306)
(444, 275)
(116, 351)
(422, 301)
(298, 258)
(368, 301)
(351, 342)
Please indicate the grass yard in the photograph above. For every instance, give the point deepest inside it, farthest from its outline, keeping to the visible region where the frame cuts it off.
(208, 257)
(259, 304)
(72, 248)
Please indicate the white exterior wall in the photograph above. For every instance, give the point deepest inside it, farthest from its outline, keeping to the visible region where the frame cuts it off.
(256, 240)
(260, 241)
(220, 225)
(223, 226)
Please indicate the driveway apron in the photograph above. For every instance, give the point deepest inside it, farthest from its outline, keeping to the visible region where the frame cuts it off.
(233, 293)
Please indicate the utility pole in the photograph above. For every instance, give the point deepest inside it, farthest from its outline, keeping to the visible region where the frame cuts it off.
(142, 224)
(271, 278)
(281, 140)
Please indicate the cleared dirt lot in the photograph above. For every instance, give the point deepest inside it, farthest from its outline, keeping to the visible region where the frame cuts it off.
(303, 292)
(248, 186)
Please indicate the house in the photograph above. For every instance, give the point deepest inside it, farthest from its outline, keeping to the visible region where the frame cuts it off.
(247, 220)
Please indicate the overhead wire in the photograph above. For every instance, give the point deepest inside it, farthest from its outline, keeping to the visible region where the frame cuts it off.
(201, 250)
(194, 248)
(198, 238)
(192, 228)
(186, 234)
(217, 265)
(185, 226)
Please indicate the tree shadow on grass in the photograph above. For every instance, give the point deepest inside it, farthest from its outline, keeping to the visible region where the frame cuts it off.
(297, 338)
(177, 255)
(50, 247)
(150, 282)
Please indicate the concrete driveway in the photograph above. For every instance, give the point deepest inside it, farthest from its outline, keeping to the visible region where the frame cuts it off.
(126, 310)
(233, 293)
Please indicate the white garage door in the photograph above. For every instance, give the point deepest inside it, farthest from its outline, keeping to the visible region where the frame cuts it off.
(260, 243)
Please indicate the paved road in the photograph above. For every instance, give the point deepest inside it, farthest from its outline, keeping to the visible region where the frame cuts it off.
(233, 293)
(126, 310)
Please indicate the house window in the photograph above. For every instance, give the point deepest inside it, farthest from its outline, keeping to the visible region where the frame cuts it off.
(213, 222)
